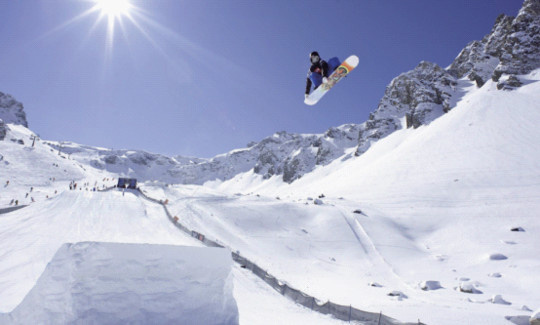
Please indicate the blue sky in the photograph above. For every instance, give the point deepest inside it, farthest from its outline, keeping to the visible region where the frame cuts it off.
(199, 78)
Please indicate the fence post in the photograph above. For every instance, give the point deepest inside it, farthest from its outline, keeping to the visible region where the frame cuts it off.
(379, 322)
(350, 312)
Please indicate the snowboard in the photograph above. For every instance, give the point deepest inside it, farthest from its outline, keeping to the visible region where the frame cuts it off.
(341, 71)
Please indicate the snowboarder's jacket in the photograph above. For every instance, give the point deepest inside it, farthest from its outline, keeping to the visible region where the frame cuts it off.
(320, 67)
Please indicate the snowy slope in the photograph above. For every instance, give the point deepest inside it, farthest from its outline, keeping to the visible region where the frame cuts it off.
(31, 236)
(31, 169)
(439, 201)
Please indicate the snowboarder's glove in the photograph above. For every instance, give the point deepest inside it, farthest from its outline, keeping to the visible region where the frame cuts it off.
(324, 80)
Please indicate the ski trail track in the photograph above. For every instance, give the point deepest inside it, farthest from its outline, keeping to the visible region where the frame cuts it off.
(373, 242)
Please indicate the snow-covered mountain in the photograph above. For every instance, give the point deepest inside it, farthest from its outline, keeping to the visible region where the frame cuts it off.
(285, 154)
(414, 98)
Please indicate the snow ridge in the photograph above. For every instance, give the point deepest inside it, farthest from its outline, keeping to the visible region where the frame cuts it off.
(284, 154)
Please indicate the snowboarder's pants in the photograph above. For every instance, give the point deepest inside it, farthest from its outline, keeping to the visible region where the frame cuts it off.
(316, 78)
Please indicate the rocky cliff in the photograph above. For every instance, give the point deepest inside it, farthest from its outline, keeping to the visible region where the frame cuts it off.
(418, 96)
(512, 48)
(12, 111)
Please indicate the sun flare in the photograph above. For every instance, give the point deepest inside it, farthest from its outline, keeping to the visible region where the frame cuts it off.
(120, 19)
(113, 8)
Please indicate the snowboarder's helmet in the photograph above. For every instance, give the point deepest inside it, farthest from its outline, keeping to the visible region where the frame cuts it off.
(314, 57)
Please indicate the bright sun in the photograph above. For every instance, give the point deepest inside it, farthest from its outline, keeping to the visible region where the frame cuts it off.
(113, 8)
(113, 11)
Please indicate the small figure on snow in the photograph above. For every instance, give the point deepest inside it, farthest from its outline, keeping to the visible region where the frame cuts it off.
(318, 66)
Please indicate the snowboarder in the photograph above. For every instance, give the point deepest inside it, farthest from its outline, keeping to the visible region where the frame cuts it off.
(318, 66)
(324, 75)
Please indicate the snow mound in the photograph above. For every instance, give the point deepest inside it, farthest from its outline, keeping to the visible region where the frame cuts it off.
(498, 299)
(107, 283)
(468, 287)
(430, 285)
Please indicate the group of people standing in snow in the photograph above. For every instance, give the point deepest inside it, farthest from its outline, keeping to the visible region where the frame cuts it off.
(72, 186)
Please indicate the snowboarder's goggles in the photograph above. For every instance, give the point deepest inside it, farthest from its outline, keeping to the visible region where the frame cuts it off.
(315, 58)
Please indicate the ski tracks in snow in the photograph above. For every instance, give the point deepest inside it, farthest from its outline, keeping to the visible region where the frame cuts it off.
(368, 246)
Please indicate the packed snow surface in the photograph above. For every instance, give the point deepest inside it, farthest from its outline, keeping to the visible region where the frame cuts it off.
(110, 283)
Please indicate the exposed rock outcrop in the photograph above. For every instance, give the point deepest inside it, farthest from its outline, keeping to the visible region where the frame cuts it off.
(12, 111)
(425, 93)
(418, 96)
(512, 47)
(3, 130)
(520, 51)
